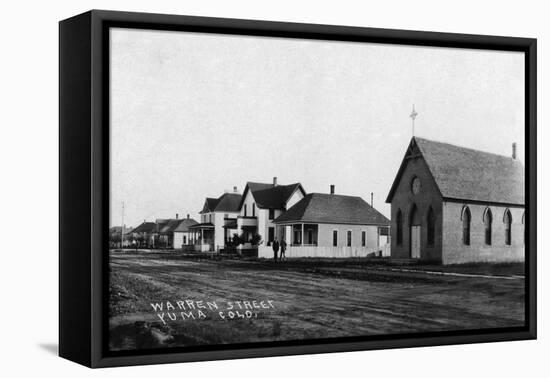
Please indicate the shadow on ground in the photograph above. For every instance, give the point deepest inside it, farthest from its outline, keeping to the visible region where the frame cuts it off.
(51, 348)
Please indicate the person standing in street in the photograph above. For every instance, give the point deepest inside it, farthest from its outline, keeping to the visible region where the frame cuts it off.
(275, 247)
(283, 249)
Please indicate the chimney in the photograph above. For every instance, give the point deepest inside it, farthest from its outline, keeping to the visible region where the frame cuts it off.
(177, 215)
(187, 216)
(371, 199)
(332, 189)
(514, 150)
(275, 181)
(234, 189)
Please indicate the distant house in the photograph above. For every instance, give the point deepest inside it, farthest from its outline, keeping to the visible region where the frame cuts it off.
(183, 235)
(217, 213)
(144, 234)
(331, 225)
(452, 204)
(174, 233)
(260, 205)
(117, 234)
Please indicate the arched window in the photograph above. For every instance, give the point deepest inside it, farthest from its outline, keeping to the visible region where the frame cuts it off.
(523, 223)
(507, 227)
(399, 225)
(466, 220)
(488, 222)
(431, 226)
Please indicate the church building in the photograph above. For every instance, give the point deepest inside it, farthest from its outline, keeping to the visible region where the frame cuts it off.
(451, 204)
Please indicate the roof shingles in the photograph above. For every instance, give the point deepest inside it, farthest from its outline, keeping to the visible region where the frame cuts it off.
(334, 209)
(463, 173)
(270, 196)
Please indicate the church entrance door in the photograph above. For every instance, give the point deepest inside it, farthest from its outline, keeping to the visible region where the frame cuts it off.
(415, 242)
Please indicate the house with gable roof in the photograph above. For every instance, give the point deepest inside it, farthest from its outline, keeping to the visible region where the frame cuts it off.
(331, 225)
(174, 233)
(452, 204)
(144, 234)
(216, 219)
(260, 205)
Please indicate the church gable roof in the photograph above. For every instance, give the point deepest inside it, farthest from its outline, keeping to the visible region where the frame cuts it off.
(467, 174)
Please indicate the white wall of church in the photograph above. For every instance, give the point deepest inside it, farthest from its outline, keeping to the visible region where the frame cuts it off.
(454, 250)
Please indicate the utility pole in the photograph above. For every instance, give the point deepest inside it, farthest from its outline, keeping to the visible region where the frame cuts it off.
(122, 228)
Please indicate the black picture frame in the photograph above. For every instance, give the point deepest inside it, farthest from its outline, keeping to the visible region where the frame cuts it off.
(84, 185)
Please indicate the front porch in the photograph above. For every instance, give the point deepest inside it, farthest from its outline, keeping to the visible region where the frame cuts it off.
(203, 234)
(298, 234)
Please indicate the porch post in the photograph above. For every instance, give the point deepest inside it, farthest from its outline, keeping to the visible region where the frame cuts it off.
(302, 236)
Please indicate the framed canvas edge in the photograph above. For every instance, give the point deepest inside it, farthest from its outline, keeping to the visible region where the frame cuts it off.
(99, 167)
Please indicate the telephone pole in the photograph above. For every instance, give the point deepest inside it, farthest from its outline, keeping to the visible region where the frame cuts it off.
(122, 228)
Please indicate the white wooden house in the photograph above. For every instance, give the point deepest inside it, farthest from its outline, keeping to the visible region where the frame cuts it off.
(331, 225)
(260, 204)
(212, 233)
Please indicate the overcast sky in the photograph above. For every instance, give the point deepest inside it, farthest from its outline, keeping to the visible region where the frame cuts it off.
(193, 115)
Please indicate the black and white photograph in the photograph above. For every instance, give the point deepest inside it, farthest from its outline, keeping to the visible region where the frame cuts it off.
(266, 189)
(210, 188)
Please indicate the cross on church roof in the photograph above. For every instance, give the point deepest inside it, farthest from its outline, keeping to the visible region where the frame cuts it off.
(413, 117)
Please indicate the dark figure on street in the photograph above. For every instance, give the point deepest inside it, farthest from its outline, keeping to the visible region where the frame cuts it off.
(283, 249)
(275, 249)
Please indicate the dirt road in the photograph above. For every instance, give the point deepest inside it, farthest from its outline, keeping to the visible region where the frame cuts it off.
(308, 300)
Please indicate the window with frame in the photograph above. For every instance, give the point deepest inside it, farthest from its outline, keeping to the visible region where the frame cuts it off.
(431, 226)
(335, 238)
(399, 226)
(523, 223)
(349, 238)
(297, 237)
(507, 227)
(253, 209)
(271, 235)
(466, 221)
(488, 223)
(363, 238)
(271, 213)
(245, 209)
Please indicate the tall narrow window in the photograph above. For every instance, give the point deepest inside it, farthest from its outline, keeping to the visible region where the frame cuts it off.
(245, 209)
(523, 223)
(431, 226)
(271, 213)
(253, 209)
(507, 227)
(488, 222)
(349, 238)
(335, 238)
(363, 238)
(399, 225)
(466, 220)
(271, 235)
